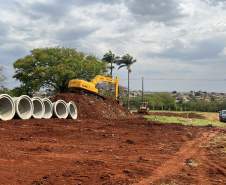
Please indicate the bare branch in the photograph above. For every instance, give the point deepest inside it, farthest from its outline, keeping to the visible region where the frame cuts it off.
(3, 78)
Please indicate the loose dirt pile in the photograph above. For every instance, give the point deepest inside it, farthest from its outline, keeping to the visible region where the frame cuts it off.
(91, 108)
(108, 149)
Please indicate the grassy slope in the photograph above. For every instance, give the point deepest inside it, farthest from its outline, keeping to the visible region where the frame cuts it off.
(186, 121)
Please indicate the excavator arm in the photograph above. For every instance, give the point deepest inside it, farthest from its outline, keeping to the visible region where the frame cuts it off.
(99, 78)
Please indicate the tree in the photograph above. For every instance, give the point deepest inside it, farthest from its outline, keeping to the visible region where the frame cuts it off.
(152, 103)
(168, 100)
(190, 95)
(3, 79)
(213, 98)
(110, 58)
(198, 93)
(127, 61)
(54, 67)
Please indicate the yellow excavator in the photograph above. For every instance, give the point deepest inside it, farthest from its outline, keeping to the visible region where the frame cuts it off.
(89, 89)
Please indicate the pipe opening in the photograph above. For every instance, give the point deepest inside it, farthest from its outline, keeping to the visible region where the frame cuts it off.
(7, 107)
(38, 108)
(60, 109)
(72, 110)
(48, 112)
(24, 107)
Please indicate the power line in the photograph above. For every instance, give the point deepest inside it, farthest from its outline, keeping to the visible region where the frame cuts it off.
(177, 79)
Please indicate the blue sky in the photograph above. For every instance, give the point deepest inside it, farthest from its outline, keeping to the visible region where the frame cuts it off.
(170, 39)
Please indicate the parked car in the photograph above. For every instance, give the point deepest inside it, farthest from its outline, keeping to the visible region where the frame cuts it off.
(222, 115)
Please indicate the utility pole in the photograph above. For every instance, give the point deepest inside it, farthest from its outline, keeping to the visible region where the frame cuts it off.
(142, 89)
(111, 64)
(129, 70)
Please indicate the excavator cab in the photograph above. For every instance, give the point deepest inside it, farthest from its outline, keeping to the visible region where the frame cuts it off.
(143, 108)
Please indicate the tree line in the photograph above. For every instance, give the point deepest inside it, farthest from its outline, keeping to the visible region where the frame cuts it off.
(165, 101)
(203, 106)
(156, 101)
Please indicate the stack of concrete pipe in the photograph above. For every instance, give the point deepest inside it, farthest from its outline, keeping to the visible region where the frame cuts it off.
(24, 107)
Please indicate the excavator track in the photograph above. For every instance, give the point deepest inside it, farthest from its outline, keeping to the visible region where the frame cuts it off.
(87, 93)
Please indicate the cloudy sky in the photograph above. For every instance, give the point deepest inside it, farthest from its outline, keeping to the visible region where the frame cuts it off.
(176, 42)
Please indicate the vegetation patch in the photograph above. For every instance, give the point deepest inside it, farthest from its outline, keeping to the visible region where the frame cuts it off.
(220, 142)
(185, 121)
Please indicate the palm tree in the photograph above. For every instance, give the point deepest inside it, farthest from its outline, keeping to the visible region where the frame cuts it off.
(127, 61)
(110, 58)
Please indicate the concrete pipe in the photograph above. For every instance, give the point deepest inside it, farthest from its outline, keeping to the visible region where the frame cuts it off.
(72, 110)
(48, 108)
(7, 107)
(60, 109)
(38, 108)
(23, 107)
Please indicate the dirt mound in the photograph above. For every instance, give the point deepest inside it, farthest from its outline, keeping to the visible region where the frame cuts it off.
(183, 115)
(91, 108)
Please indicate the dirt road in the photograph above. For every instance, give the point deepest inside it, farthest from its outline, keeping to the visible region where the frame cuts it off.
(122, 149)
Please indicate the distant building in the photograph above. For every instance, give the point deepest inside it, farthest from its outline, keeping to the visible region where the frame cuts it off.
(208, 99)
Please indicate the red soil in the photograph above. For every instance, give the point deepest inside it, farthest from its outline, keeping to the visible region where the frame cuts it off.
(108, 145)
(92, 108)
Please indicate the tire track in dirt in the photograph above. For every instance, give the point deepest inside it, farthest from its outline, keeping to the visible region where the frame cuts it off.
(214, 117)
(176, 163)
(214, 166)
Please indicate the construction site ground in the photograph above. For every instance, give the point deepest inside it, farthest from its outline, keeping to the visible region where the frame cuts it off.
(108, 144)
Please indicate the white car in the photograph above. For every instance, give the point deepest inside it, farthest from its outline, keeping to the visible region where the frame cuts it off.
(222, 115)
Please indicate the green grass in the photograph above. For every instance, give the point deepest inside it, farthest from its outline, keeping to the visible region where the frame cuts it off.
(196, 112)
(186, 121)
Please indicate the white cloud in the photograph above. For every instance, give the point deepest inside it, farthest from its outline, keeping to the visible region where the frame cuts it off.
(223, 53)
(169, 38)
